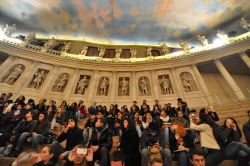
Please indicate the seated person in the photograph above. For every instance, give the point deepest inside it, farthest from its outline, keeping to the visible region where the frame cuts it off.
(231, 144)
(147, 119)
(36, 136)
(72, 134)
(180, 119)
(46, 156)
(101, 141)
(17, 135)
(117, 159)
(91, 121)
(58, 119)
(197, 158)
(80, 156)
(246, 129)
(180, 144)
(152, 144)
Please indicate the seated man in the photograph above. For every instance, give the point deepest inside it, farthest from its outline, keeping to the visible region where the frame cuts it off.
(19, 133)
(117, 159)
(152, 144)
(72, 134)
(35, 136)
(197, 158)
(101, 141)
(246, 129)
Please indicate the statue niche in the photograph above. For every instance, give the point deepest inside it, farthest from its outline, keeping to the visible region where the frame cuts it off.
(13, 74)
(188, 82)
(123, 86)
(144, 87)
(38, 78)
(165, 84)
(103, 86)
(82, 84)
(61, 82)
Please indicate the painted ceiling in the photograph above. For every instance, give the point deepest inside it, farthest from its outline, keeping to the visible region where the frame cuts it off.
(125, 21)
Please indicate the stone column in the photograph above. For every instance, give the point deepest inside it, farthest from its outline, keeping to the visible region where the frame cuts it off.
(93, 86)
(225, 74)
(176, 83)
(114, 86)
(71, 85)
(49, 81)
(202, 84)
(6, 65)
(245, 59)
(133, 87)
(155, 89)
(26, 76)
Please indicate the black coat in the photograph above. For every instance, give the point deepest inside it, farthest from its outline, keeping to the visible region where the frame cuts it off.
(246, 131)
(227, 135)
(105, 139)
(130, 147)
(129, 141)
(73, 136)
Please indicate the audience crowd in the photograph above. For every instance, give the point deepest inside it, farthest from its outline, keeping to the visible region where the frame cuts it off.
(117, 136)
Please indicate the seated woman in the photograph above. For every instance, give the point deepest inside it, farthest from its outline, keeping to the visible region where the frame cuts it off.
(146, 120)
(138, 123)
(180, 144)
(130, 143)
(232, 147)
(207, 139)
(58, 119)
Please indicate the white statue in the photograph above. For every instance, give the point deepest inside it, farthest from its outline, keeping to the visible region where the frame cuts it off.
(101, 52)
(184, 46)
(222, 35)
(9, 30)
(124, 86)
(67, 46)
(166, 85)
(62, 83)
(245, 24)
(81, 86)
(165, 49)
(14, 74)
(30, 38)
(104, 86)
(149, 51)
(202, 39)
(118, 52)
(143, 86)
(50, 44)
(186, 82)
(133, 53)
(39, 79)
(84, 50)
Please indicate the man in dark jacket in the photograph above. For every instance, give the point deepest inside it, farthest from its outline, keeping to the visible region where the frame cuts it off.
(72, 134)
(101, 141)
(151, 139)
(21, 131)
(246, 129)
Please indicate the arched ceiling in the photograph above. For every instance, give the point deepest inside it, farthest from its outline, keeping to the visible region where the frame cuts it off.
(125, 21)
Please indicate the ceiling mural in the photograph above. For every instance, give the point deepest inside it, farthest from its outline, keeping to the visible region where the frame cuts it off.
(125, 21)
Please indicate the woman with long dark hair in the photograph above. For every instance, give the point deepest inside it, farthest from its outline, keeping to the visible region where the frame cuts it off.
(130, 143)
(207, 139)
(232, 147)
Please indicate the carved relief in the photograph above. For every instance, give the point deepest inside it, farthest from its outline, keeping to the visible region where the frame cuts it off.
(149, 52)
(50, 44)
(123, 86)
(165, 84)
(13, 74)
(188, 82)
(38, 78)
(165, 49)
(133, 53)
(84, 51)
(61, 82)
(144, 86)
(103, 86)
(101, 51)
(118, 52)
(82, 84)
